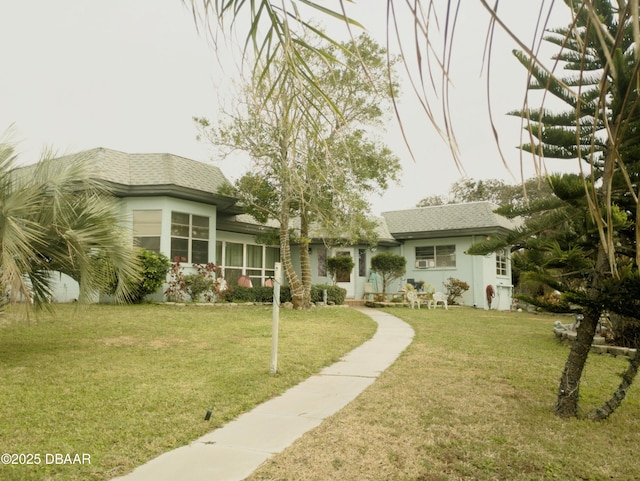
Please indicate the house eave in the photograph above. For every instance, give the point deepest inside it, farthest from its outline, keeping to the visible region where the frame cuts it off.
(223, 203)
(440, 234)
(232, 225)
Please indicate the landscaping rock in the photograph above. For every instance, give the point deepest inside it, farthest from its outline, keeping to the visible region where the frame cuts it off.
(618, 351)
(598, 349)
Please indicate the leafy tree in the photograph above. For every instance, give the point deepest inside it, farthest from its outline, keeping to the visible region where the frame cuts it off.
(492, 190)
(389, 267)
(316, 172)
(55, 218)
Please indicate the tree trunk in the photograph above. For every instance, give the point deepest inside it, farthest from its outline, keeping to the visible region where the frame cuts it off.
(297, 289)
(305, 259)
(568, 391)
(612, 404)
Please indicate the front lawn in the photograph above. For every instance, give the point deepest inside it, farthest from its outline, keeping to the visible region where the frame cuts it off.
(472, 399)
(123, 384)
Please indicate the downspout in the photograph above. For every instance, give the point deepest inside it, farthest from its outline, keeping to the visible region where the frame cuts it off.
(473, 274)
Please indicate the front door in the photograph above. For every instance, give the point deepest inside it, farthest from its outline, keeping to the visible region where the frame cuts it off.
(346, 280)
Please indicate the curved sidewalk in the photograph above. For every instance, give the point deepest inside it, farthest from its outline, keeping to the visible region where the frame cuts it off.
(234, 451)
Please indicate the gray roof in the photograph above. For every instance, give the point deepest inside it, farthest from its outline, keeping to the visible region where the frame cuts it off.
(157, 174)
(447, 220)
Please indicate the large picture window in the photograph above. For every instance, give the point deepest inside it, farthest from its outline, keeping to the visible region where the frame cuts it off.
(429, 257)
(237, 259)
(189, 238)
(147, 227)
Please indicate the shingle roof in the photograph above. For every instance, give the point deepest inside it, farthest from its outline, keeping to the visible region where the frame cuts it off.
(153, 169)
(447, 219)
(156, 174)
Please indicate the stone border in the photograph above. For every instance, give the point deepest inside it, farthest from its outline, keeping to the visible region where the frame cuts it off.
(599, 345)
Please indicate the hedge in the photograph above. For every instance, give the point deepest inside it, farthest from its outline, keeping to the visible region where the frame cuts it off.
(241, 294)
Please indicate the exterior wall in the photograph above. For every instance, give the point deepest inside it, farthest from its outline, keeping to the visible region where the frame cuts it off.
(360, 276)
(65, 289)
(477, 271)
(168, 205)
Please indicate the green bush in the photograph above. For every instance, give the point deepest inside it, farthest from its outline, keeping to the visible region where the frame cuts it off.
(241, 294)
(340, 266)
(334, 294)
(196, 285)
(153, 273)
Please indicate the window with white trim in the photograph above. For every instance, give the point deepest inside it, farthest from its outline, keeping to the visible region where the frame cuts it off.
(502, 257)
(189, 238)
(254, 260)
(147, 228)
(429, 257)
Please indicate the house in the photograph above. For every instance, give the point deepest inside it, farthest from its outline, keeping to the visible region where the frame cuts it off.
(173, 205)
(435, 240)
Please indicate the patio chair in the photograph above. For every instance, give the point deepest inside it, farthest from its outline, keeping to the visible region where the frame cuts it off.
(438, 297)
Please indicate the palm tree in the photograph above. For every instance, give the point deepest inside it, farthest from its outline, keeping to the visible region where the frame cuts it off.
(55, 218)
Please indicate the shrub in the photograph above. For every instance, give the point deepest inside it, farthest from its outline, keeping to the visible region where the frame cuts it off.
(265, 294)
(196, 285)
(153, 272)
(335, 294)
(176, 287)
(340, 266)
(455, 288)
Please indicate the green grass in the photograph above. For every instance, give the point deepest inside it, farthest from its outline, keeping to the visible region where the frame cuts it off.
(472, 398)
(125, 384)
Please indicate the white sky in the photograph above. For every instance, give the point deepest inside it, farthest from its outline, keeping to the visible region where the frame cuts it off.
(130, 75)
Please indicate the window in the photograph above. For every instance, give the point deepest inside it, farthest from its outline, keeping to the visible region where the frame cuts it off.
(435, 256)
(147, 226)
(322, 262)
(362, 262)
(501, 262)
(237, 259)
(189, 238)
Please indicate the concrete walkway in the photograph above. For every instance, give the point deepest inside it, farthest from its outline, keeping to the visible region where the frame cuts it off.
(234, 451)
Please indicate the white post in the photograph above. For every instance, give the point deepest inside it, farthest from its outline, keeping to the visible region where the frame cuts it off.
(275, 317)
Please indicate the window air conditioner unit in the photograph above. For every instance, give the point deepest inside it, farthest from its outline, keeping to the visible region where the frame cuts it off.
(422, 264)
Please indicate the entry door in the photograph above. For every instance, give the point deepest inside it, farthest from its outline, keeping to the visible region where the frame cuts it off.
(347, 280)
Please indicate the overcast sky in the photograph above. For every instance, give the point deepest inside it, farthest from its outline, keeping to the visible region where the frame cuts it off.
(130, 75)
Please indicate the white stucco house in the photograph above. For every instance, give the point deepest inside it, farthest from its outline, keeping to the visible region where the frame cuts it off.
(172, 205)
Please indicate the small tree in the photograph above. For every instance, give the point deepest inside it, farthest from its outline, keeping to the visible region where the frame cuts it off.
(388, 266)
(455, 288)
(339, 267)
